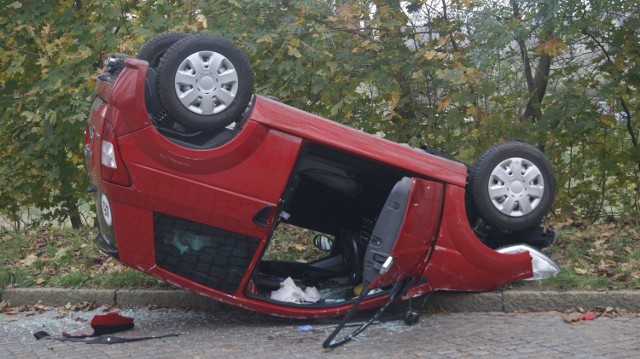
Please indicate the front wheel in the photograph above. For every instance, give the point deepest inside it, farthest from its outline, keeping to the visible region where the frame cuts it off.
(512, 186)
(205, 82)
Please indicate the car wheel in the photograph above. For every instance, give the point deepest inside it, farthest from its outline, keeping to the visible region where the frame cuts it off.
(152, 52)
(512, 186)
(205, 82)
(153, 49)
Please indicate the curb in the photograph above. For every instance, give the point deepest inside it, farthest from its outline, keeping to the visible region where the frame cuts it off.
(499, 301)
(509, 301)
(116, 297)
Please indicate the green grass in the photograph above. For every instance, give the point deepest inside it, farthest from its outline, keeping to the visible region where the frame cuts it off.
(67, 258)
(290, 243)
(596, 257)
(568, 280)
(129, 279)
(16, 277)
(592, 257)
(74, 279)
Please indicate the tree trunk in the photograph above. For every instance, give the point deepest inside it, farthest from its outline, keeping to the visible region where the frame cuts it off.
(536, 84)
(76, 221)
(538, 88)
(74, 213)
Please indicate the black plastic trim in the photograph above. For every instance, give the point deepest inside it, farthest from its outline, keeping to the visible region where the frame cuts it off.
(262, 217)
(106, 247)
(385, 233)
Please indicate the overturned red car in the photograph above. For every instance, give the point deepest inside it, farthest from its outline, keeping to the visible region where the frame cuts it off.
(193, 174)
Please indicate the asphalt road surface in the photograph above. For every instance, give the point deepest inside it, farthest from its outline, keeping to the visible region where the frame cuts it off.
(234, 333)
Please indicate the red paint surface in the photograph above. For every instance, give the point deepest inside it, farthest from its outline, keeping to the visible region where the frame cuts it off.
(226, 186)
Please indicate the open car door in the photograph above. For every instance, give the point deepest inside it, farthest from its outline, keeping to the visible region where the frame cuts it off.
(400, 244)
(404, 233)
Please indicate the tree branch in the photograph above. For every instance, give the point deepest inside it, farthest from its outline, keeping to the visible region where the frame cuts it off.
(623, 103)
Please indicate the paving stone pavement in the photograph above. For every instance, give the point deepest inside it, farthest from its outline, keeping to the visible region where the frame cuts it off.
(234, 333)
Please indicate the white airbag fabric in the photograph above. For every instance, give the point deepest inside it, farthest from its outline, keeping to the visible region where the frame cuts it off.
(290, 292)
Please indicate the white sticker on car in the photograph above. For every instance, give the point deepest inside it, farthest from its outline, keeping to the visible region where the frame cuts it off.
(106, 210)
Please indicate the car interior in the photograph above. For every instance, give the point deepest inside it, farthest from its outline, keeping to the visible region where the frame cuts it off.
(339, 196)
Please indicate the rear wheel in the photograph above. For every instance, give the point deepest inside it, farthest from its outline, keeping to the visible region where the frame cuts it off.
(153, 49)
(205, 82)
(512, 186)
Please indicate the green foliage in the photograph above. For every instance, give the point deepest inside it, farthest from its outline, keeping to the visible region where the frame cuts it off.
(51, 52)
(48, 59)
(456, 75)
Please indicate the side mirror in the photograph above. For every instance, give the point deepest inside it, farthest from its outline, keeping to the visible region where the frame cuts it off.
(323, 243)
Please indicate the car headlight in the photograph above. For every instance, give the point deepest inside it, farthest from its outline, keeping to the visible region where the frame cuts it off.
(543, 266)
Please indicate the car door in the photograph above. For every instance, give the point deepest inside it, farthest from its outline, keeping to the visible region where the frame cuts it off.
(404, 232)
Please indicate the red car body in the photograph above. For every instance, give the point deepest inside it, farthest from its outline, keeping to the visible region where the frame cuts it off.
(238, 189)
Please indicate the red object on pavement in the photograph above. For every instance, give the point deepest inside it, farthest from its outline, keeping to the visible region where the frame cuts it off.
(588, 316)
(100, 324)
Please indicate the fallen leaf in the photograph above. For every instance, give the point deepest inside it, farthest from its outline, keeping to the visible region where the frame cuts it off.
(580, 271)
(61, 252)
(600, 244)
(571, 317)
(88, 306)
(622, 277)
(41, 307)
(29, 260)
(4, 305)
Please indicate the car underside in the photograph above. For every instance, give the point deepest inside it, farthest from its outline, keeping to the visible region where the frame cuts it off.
(195, 175)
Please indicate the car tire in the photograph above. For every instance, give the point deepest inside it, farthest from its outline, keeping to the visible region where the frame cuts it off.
(153, 49)
(512, 186)
(205, 82)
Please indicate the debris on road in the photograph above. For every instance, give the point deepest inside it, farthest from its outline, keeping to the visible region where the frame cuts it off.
(580, 314)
